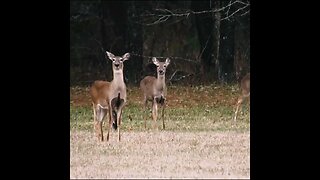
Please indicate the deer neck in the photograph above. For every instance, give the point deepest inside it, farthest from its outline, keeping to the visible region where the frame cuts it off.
(117, 83)
(161, 79)
(117, 86)
(118, 78)
(160, 84)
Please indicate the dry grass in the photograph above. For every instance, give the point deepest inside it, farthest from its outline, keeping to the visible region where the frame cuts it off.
(161, 154)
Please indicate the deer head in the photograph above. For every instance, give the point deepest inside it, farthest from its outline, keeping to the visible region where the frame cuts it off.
(117, 61)
(161, 66)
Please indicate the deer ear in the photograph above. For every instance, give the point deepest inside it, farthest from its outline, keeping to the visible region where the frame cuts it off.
(155, 61)
(110, 55)
(167, 61)
(126, 56)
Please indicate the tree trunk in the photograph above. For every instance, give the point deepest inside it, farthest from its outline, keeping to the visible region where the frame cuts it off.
(133, 67)
(242, 47)
(204, 24)
(216, 39)
(104, 43)
(226, 53)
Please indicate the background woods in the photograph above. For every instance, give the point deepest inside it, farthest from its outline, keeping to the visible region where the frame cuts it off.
(207, 41)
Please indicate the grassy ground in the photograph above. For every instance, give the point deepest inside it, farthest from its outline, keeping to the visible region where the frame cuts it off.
(200, 140)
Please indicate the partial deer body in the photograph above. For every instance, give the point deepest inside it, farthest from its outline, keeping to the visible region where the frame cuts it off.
(109, 97)
(155, 90)
(245, 92)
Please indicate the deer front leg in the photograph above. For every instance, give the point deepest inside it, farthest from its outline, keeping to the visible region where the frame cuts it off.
(110, 123)
(119, 116)
(155, 112)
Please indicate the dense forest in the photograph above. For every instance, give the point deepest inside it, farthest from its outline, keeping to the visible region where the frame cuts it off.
(207, 41)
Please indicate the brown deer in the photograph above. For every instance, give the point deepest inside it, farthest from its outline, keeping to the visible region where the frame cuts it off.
(109, 96)
(155, 90)
(245, 92)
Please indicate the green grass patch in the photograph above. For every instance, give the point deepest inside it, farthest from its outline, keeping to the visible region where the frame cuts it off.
(200, 118)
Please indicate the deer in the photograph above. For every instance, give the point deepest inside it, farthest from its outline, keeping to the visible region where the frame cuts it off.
(109, 97)
(245, 92)
(155, 90)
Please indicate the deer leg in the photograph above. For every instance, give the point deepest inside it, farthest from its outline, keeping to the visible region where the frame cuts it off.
(101, 132)
(105, 112)
(95, 120)
(238, 104)
(119, 116)
(249, 103)
(94, 113)
(94, 117)
(110, 123)
(163, 108)
(102, 115)
(145, 112)
(154, 112)
(245, 98)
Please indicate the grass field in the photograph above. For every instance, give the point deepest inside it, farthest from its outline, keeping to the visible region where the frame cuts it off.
(200, 140)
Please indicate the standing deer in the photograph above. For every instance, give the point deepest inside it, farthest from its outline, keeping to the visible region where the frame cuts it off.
(155, 90)
(109, 96)
(245, 92)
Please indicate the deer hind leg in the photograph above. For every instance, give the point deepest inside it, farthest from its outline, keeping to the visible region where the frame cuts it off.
(249, 103)
(96, 114)
(105, 112)
(101, 113)
(240, 100)
(245, 98)
(155, 112)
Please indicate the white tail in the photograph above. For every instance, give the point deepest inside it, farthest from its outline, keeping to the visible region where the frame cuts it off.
(155, 90)
(245, 92)
(109, 96)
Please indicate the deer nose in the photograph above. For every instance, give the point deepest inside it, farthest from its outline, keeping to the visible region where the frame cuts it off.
(160, 71)
(117, 65)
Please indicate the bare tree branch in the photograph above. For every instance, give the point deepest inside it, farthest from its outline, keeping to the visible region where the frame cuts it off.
(204, 46)
(235, 12)
(165, 14)
(229, 8)
(180, 58)
(179, 78)
(245, 13)
(173, 75)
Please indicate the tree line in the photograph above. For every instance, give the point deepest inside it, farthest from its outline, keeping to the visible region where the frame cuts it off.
(207, 41)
